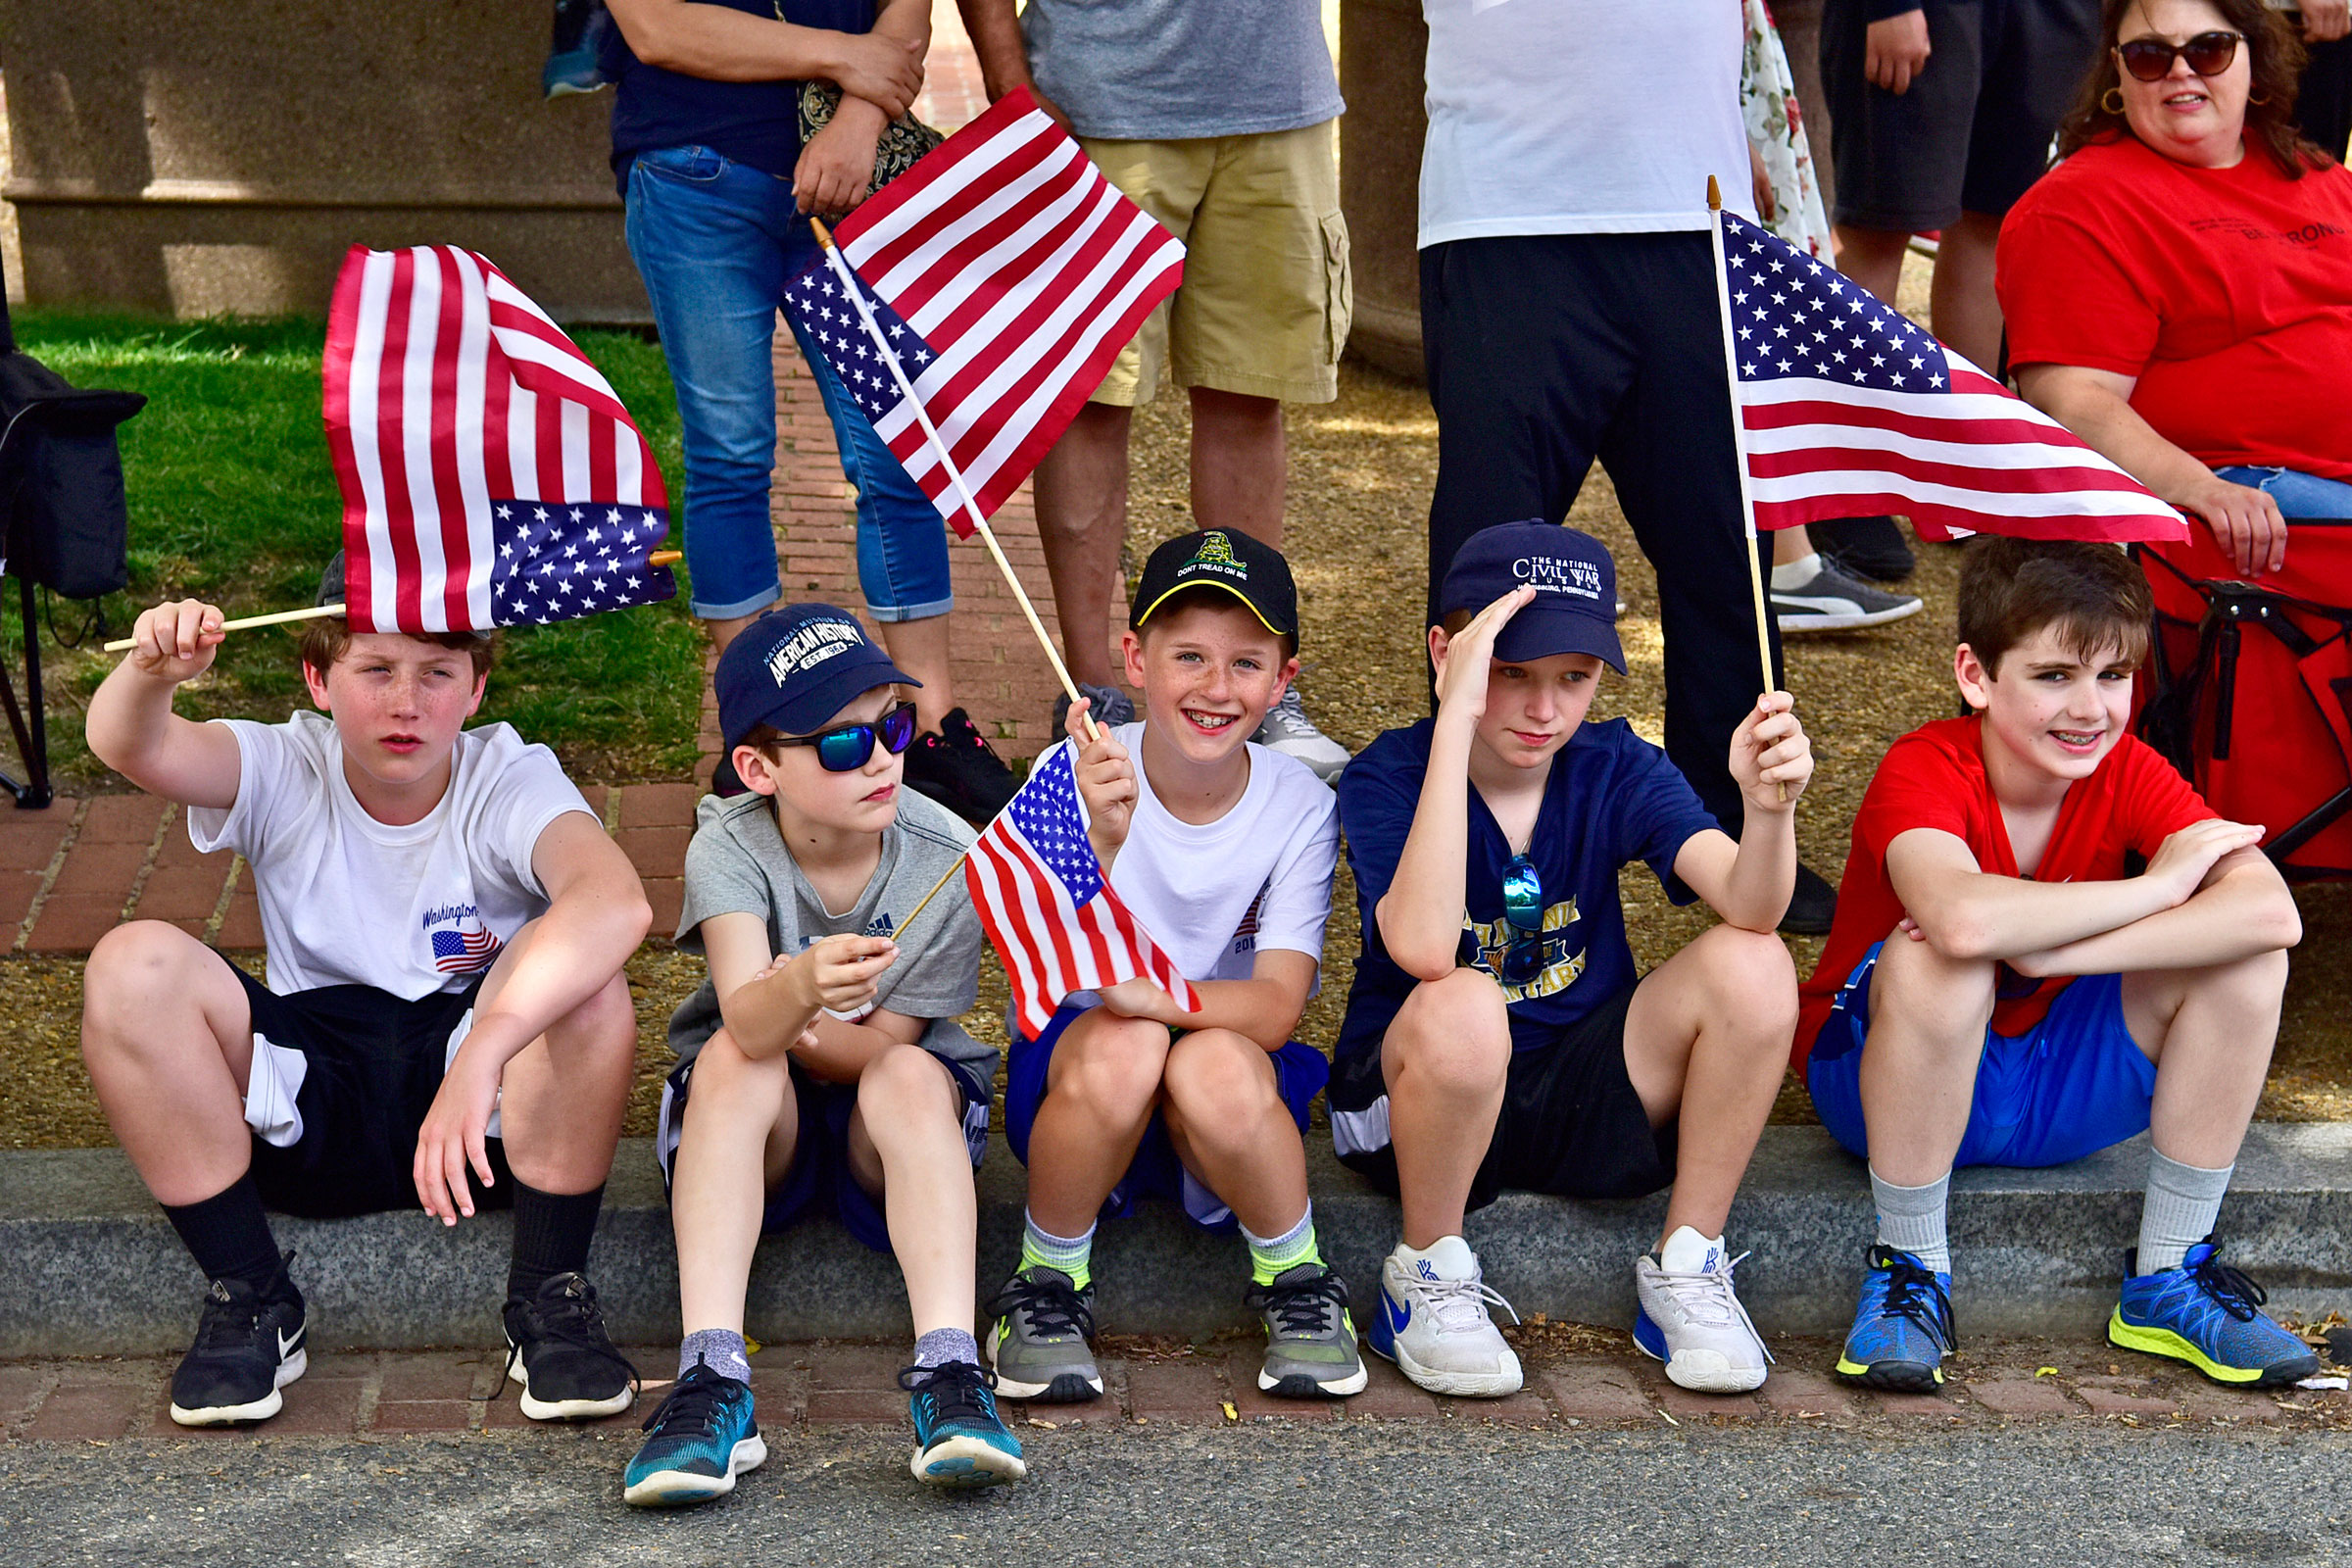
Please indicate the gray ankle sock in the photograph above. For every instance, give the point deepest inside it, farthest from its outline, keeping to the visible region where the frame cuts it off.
(723, 1348)
(942, 1346)
(1911, 1219)
(2180, 1210)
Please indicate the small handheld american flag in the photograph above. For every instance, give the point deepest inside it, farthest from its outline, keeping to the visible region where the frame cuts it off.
(1046, 905)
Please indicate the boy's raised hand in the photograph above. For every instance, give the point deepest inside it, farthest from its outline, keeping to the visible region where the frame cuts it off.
(175, 641)
(840, 972)
(1772, 757)
(1469, 656)
(2183, 859)
(1106, 775)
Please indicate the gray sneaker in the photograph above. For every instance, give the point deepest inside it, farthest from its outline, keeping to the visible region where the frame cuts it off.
(1311, 1338)
(1037, 1339)
(1833, 602)
(1110, 706)
(1290, 731)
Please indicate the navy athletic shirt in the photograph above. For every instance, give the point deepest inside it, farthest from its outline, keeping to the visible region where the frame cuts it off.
(755, 122)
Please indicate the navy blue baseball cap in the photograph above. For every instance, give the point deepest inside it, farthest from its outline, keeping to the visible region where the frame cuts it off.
(1574, 608)
(796, 666)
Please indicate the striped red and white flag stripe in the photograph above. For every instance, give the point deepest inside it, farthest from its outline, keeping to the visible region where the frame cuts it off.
(450, 392)
(1018, 274)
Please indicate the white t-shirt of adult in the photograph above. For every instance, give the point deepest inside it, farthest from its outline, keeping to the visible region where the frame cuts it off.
(1214, 895)
(347, 900)
(1581, 116)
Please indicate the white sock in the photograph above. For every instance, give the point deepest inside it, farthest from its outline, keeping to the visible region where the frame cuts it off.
(1911, 1219)
(1796, 573)
(2180, 1209)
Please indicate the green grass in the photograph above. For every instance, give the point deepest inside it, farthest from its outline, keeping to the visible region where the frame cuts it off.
(233, 499)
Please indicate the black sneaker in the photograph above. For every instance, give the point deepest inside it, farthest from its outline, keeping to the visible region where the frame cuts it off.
(1812, 905)
(1865, 547)
(956, 768)
(248, 1347)
(558, 1349)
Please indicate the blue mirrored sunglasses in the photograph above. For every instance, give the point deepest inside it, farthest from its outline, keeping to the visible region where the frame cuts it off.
(845, 748)
(1523, 909)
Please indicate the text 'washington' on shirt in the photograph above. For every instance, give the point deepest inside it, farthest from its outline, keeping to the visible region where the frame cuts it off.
(1611, 799)
(347, 900)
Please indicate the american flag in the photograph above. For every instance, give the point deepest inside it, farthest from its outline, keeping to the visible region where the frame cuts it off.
(1848, 409)
(1008, 273)
(464, 952)
(1057, 923)
(490, 476)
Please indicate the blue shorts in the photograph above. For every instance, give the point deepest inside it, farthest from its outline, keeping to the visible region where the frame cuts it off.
(2070, 1086)
(1300, 1073)
(820, 1153)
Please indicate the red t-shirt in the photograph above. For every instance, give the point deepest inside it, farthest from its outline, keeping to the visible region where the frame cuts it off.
(2227, 292)
(1935, 778)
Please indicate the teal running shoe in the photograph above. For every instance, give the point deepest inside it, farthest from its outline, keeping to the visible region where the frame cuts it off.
(1903, 1328)
(959, 1439)
(702, 1437)
(2210, 1316)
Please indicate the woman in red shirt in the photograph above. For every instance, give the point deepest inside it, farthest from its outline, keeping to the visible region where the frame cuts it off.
(2178, 290)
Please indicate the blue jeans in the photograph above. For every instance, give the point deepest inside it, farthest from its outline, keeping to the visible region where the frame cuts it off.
(716, 242)
(2300, 495)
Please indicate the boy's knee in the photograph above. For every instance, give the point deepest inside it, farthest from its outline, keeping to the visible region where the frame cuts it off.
(724, 1075)
(1916, 976)
(1456, 1030)
(134, 970)
(904, 1081)
(607, 1019)
(1216, 1078)
(1753, 977)
(1117, 1069)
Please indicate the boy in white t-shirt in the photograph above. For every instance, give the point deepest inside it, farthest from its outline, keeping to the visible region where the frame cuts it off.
(1223, 849)
(446, 924)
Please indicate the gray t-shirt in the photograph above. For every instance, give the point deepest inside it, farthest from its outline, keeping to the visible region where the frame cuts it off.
(738, 865)
(1169, 70)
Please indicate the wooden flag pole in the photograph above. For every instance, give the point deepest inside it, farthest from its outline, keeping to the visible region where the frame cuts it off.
(946, 877)
(971, 509)
(1730, 381)
(123, 645)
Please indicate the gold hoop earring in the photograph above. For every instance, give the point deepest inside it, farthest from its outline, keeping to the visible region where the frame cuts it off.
(2117, 95)
(2258, 98)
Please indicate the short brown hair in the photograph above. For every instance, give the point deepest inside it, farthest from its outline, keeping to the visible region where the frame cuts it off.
(2274, 58)
(2094, 594)
(1203, 596)
(326, 640)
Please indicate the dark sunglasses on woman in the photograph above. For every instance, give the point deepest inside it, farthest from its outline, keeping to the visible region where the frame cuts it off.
(845, 748)
(2208, 53)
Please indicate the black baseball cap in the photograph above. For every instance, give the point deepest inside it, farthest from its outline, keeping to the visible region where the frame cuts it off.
(1574, 608)
(1218, 557)
(796, 666)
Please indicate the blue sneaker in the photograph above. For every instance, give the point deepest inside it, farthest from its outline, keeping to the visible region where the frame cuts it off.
(2210, 1316)
(702, 1437)
(959, 1439)
(1903, 1327)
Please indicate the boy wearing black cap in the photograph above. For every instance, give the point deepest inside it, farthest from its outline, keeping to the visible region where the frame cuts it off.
(1496, 1035)
(1223, 851)
(821, 1058)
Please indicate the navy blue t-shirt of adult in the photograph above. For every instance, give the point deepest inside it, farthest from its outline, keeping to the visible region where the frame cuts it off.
(1612, 799)
(754, 122)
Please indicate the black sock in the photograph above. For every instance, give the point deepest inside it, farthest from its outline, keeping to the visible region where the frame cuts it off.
(228, 1234)
(551, 1233)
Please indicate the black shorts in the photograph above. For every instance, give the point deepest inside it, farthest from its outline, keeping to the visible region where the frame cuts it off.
(1571, 1124)
(370, 1065)
(1973, 130)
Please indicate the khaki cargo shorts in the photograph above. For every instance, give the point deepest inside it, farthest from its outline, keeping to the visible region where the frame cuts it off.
(1267, 299)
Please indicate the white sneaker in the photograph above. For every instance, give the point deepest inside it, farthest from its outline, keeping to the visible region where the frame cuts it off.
(1433, 1323)
(1690, 1319)
(1290, 731)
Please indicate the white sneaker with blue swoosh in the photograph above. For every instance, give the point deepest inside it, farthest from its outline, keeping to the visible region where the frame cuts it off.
(1691, 1318)
(1432, 1321)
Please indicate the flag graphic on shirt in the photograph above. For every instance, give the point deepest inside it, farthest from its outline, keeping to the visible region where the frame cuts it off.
(1848, 409)
(464, 952)
(490, 476)
(1006, 273)
(1053, 918)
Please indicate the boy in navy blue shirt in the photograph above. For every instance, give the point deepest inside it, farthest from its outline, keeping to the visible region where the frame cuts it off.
(1498, 1035)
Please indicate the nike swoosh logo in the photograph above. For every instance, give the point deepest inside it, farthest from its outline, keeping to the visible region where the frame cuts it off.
(1397, 1316)
(287, 1346)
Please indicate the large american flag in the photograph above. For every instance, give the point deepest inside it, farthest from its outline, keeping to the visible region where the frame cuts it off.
(1055, 921)
(1006, 273)
(1847, 410)
(490, 476)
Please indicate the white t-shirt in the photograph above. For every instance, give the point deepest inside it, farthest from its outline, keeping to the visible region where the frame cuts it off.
(347, 900)
(1214, 895)
(1581, 116)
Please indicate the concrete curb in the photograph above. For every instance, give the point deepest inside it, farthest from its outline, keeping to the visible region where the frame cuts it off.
(93, 1268)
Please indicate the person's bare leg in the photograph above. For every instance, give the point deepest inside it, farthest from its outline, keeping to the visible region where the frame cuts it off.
(1445, 1059)
(742, 1125)
(561, 1096)
(723, 632)
(1229, 1124)
(1240, 464)
(1873, 257)
(1100, 1089)
(1791, 545)
(2210, 1032)
(1706, 1042)
(167, 1038)
(1927, 1014)
(906, 1147)
(919, 647)
(1082, 520)
(1962, 308)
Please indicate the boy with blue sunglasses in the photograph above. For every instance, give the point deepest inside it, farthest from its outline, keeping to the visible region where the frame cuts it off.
(1498, 1035)
(822, 1060)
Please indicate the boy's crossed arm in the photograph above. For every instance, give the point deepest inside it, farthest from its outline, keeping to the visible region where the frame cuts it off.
(131, 727)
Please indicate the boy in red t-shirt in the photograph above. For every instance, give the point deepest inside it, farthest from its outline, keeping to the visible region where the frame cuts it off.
(1945, 1025)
